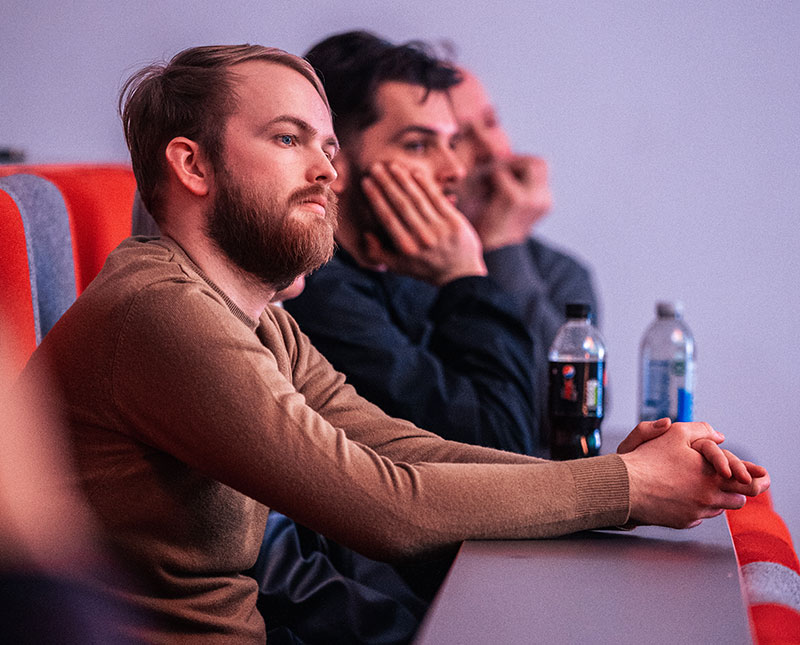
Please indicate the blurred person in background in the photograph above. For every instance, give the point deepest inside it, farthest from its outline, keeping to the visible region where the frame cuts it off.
(411, 315)
(505, 195)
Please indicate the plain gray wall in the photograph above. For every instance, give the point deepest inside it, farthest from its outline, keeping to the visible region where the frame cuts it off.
(671, 128)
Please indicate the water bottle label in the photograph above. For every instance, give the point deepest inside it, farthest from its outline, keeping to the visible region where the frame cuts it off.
(685, 401)
(576, 389)
(667, 390)
(656, 390)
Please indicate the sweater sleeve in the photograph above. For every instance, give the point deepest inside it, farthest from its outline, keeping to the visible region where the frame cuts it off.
(196, 383)
(466, 377)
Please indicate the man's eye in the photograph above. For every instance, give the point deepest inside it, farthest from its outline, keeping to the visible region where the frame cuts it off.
(415, 146)
(287, 139)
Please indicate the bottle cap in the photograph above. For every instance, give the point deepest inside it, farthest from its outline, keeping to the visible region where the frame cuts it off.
(578, 310)
(665, 309)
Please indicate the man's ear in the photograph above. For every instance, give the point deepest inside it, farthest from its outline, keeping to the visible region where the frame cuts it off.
(342, 165)
(189, 165)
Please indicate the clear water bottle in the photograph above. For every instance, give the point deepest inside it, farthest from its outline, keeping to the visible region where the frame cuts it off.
(577, 362)
(666, 366)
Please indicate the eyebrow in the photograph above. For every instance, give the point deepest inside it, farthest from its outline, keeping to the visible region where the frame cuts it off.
(306, 127)
(416, 129)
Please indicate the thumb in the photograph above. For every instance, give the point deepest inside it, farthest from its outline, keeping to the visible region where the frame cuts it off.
(644, 431)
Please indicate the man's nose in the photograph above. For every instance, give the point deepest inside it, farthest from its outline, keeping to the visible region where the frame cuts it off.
(451, 167)
(482, 147)
(321, 170)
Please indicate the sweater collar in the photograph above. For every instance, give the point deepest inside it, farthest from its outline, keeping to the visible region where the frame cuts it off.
(176, 248)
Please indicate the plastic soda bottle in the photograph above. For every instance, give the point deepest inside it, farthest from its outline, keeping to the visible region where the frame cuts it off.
(577, 363)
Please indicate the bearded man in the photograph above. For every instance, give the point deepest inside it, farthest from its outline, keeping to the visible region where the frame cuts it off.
(193, 406)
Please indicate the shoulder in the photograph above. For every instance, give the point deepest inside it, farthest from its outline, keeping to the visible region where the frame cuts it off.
(152, 273)
(148, 293)
(549, 257)
(276, 321)
(144, 265)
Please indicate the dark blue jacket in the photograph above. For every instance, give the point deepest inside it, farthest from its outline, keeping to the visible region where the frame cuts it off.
(455, 360)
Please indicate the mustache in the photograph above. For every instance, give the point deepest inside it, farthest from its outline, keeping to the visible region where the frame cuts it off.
(302, 194)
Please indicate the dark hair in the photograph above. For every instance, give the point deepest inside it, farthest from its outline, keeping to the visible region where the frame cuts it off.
(352, 65)
(191, 96)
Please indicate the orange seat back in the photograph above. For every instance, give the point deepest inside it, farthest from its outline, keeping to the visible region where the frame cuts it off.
(770, 571)
(99, 201)
(16, 304)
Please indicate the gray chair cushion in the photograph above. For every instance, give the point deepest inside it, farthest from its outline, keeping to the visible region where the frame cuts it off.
(49, 247)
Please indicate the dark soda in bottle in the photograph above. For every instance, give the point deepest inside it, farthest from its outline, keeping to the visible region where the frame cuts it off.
(577, 362)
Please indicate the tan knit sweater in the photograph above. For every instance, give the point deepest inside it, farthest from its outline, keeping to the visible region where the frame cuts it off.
(189, 420)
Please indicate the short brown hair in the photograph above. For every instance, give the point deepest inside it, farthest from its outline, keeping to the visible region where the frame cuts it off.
(191, 96)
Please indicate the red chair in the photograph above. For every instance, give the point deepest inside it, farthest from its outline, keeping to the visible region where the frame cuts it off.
(86, 207)
(99, 201)
(769, 570)
(16, 305)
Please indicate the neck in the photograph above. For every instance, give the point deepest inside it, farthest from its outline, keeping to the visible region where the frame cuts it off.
(246, 291)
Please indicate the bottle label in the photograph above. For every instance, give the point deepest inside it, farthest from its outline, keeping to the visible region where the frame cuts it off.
(667, 390)
(577, 389)
(685, 405)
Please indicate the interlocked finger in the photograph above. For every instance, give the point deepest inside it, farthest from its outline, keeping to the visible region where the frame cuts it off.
(714, 455)
(738, 468)
(726, 500)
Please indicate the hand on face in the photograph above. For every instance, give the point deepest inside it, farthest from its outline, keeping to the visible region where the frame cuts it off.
(504, 198)
(433, 241)
(679, 475)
